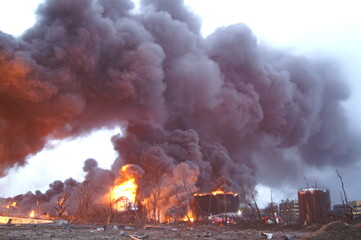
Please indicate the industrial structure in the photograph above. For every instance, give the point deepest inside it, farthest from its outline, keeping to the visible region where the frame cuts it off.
(289, 210)
(212, 204)
(342, 210)
(314, 205)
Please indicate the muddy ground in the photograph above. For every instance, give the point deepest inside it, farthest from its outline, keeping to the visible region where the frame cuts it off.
(333, 231)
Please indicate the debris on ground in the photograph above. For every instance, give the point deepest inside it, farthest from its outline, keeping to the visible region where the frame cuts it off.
(208, 234)
(153, 227)
(138, 237)
(138, 232)
(287, 237)
(60, 222)
(338, 230)
(267, 235)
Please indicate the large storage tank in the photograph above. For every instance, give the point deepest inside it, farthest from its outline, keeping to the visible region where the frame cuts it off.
(211, 203)
(314, 205)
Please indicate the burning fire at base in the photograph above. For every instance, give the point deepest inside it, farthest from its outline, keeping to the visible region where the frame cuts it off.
(123, 195)
(12, 217)
(189, 217)
(32, 214)
(124, 198)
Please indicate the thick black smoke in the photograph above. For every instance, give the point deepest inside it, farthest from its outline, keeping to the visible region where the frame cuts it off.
(96, 185)
(210, 111)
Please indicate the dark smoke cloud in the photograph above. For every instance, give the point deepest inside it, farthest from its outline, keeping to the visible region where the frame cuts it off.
(211, 111)
(99, 180)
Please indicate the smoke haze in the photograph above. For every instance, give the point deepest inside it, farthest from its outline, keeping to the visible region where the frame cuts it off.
(217, 112)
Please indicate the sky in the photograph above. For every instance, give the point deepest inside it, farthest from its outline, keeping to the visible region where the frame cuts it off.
(315, 29)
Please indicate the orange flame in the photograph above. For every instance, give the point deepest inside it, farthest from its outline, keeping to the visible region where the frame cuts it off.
(123, 195)
(32, 214)
(13, 204)
(189, 217)
(214, 193)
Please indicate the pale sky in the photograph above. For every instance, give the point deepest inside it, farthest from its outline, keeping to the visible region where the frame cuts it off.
(311, 28)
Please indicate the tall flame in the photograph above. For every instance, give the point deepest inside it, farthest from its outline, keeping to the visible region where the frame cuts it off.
(32, 214)
(123, 195)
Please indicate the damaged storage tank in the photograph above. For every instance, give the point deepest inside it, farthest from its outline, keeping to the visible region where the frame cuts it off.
(216, 202)
(314, 205)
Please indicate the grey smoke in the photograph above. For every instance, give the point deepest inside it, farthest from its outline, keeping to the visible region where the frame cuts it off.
(211, 111)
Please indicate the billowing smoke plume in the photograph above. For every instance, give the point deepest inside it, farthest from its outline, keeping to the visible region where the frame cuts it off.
(68, 197)
(209, 111)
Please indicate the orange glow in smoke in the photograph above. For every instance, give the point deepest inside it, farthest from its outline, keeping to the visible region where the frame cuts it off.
(214, 193)
(32, 214)
(124, 193)
(13, 204)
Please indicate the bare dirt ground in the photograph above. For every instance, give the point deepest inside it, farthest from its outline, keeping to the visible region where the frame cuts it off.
(211, 232)
(332, 231)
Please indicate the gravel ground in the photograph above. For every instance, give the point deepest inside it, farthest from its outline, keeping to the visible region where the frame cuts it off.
(211, 232)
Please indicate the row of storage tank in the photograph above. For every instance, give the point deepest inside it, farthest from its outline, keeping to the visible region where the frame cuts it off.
(314, 205)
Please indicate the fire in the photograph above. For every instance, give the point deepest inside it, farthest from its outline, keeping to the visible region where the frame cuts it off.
(216, 192)
(13, 204)
(189, 217)
(32, 214)
(123, 195)
(186, 219)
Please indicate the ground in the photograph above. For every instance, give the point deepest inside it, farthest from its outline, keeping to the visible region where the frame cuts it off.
(332, 231)
(211, 232)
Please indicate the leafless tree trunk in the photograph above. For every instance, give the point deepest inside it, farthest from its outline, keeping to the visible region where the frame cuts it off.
(85, 198)
(153, 203)
(253, 205)
(254, 201)
(304, 178)
(244, 195)
(188, 190)
(155, 172)
(346, 205)
(62, 203)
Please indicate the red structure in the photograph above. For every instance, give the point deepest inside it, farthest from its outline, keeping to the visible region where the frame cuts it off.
(314, 205)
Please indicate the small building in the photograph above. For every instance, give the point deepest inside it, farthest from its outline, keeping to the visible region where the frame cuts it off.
(289, 210)
(341, 209)
(356, 208)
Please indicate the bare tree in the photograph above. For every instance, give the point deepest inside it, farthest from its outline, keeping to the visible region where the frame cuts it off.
(253, 197)
(251, 202)
(345, 203)
(304, 178)
(154, 173)
(85, 198)
(63, 203)
(188, 190)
